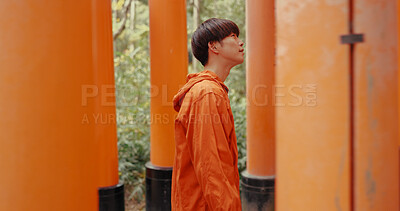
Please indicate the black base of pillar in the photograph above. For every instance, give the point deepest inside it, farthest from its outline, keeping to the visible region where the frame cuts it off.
(158, 187)
(257, 192)
(112, 198)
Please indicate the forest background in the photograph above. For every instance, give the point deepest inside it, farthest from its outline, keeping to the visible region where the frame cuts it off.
(130, 20)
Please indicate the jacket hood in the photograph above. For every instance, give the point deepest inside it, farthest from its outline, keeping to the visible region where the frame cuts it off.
(193, 79)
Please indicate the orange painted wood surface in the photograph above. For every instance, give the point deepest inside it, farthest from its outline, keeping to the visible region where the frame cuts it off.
(169, 63)
(260, 76)
(58, 140)
(312, 106)
(376, 173)
(398, 86)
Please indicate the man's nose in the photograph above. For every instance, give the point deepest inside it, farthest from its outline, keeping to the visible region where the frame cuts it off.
(241, 43)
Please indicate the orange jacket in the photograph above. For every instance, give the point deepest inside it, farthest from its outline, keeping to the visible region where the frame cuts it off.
(205, 174)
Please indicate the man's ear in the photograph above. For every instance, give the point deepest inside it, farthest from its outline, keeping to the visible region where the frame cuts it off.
(213, 47)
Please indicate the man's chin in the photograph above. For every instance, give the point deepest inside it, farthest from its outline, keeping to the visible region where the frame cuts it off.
(238, 62)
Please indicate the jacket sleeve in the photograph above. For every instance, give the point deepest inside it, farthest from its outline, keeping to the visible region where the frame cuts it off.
(210, 152)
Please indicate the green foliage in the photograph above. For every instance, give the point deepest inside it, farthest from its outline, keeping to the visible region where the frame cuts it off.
(132, 83)
(132, 77)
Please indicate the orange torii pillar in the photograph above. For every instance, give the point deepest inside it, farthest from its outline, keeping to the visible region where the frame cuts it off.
(169, 63)
(58, 142)
(258, 180)
(337, 149)
(398, 83)
(375, 144)
(313, 116)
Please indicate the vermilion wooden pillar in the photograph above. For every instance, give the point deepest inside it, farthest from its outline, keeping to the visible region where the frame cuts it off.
(313, 106)
(376, 168)
(398, 84)
(260, 77)
(259, 177)
(58, 143)
(169, 63)
(345, 147)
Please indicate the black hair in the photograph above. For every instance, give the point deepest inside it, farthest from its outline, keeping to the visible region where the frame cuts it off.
(211, 30)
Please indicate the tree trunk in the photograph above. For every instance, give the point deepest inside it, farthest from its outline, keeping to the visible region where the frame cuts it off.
(133, 21)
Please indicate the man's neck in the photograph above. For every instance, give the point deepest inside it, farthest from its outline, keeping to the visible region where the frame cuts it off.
(221, 71)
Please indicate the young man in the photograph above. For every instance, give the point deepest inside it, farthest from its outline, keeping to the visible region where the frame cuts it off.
(205, 174)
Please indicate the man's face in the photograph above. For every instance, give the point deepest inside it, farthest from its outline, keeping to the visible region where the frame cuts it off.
(231, 49)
